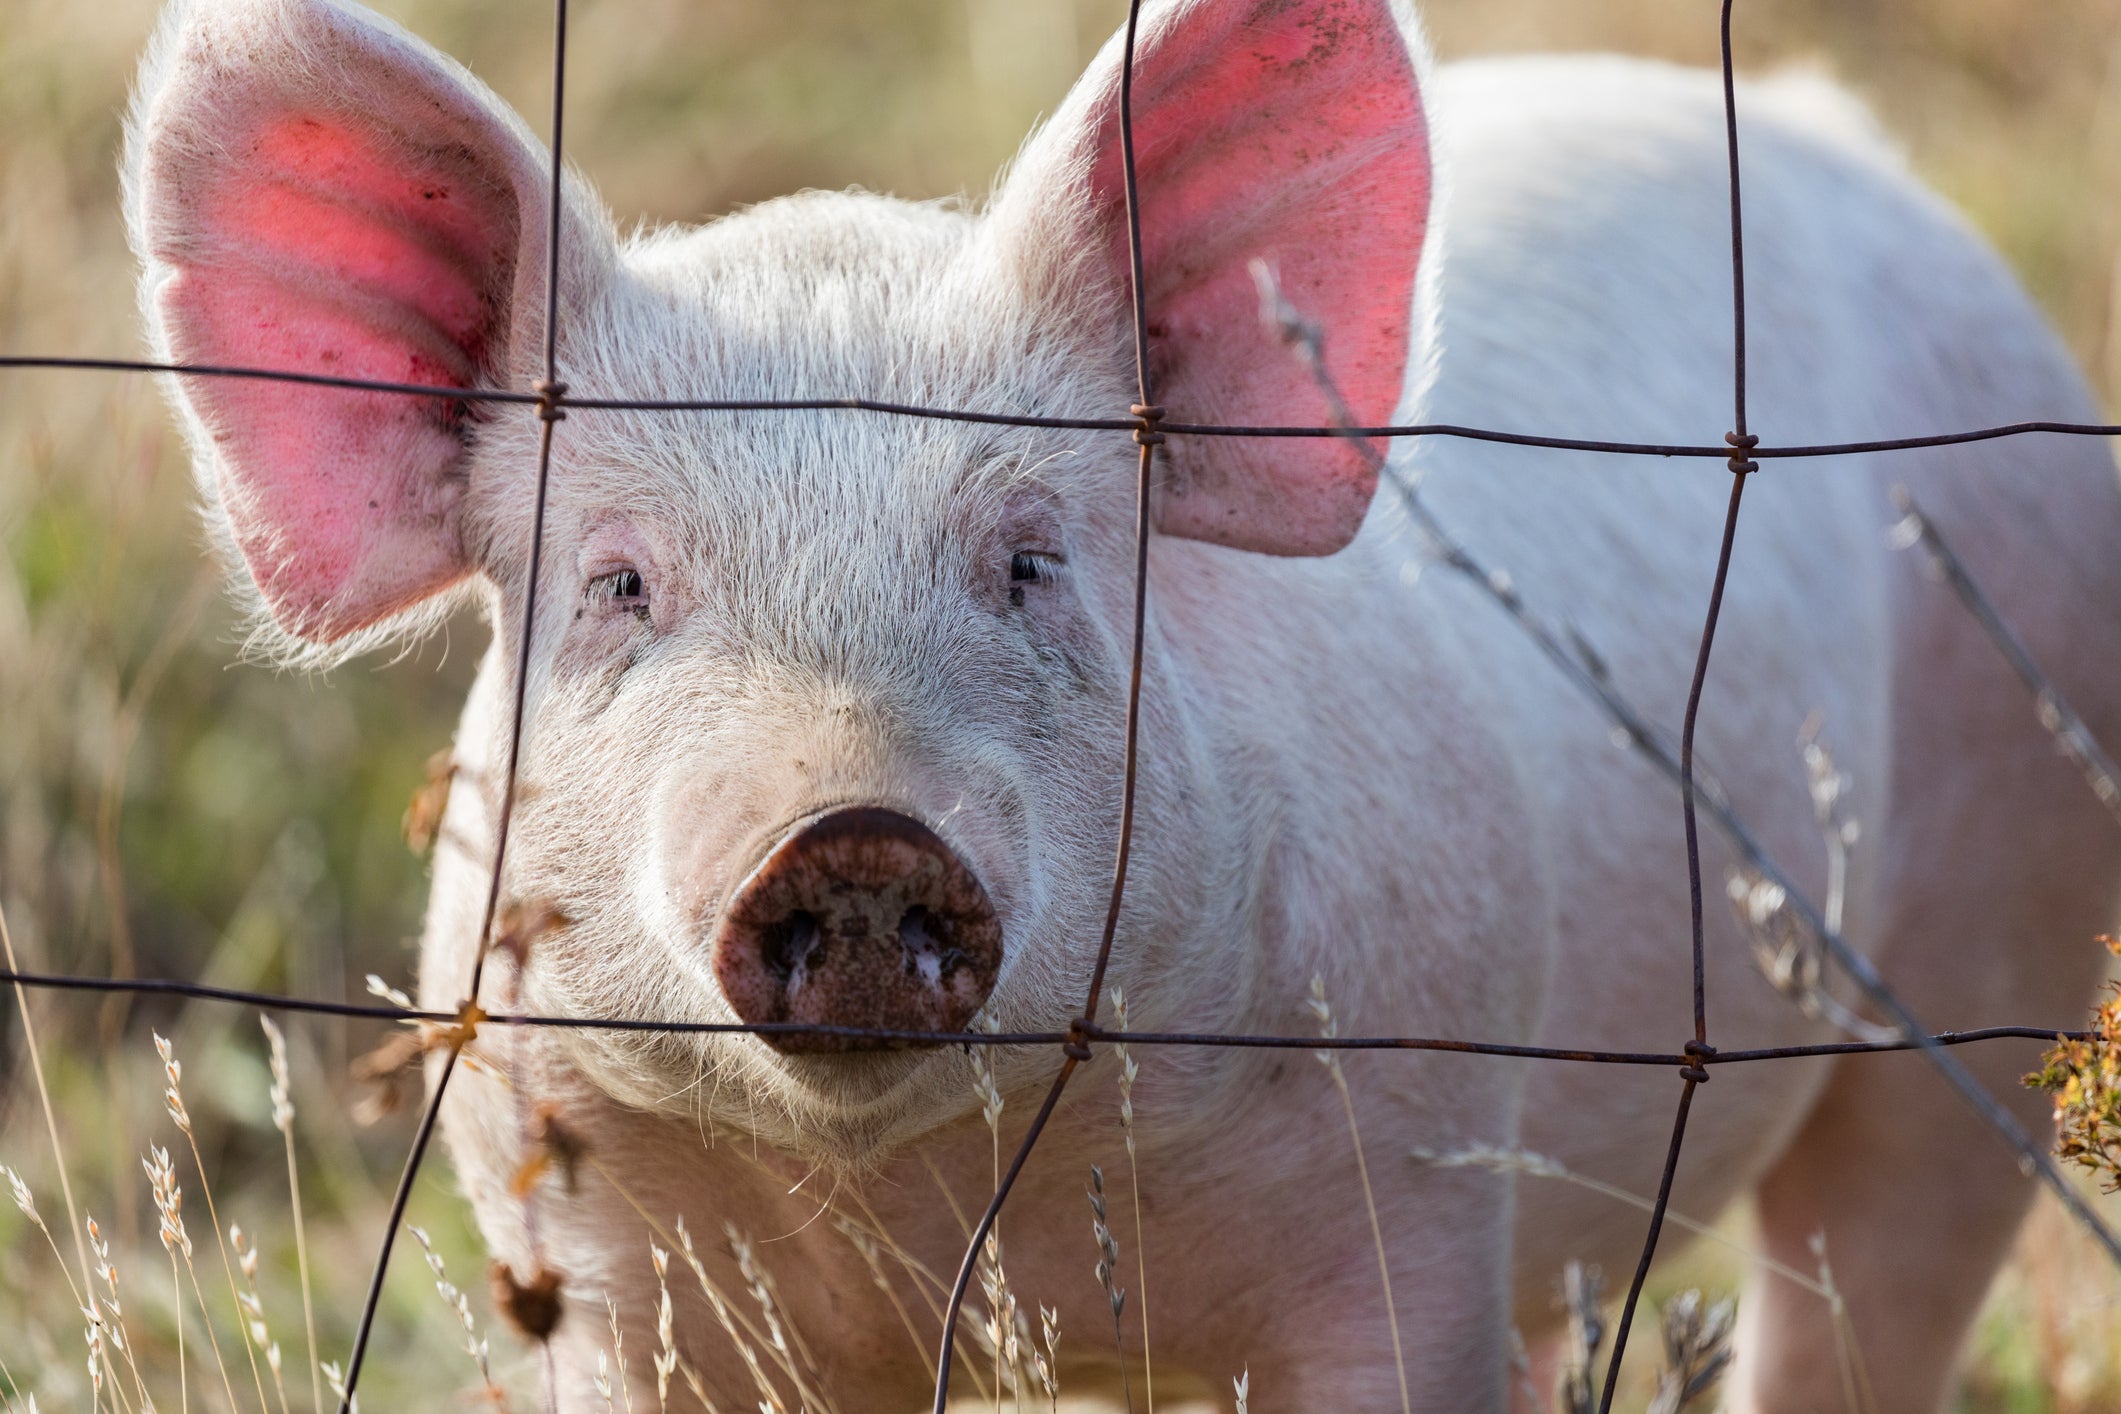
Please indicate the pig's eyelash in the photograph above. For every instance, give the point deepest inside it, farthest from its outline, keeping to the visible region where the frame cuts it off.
(621, 588)
(1028, 566)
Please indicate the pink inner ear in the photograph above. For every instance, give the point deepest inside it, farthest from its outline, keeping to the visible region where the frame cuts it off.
(326, 249)
(1291, 133)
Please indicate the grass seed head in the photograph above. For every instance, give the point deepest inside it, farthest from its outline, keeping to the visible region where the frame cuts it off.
(665, 1325)
(1046, 1363)
(1493, 1158)
(1576, 1390)
(990, 1095)
(253, 1307)
(283, 1107)
(99, 1245)
(336, 1378)
(377, 987)
(1129, 1069)
(1322, 1011)
(1697, 1350)
(94, 1337)
(24, 1199)
(1107, 1248)
(618, 1356)
(173, 1095)
(169, 1200)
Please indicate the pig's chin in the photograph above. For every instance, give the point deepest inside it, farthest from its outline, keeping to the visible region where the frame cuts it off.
(849, 1110)
(855, 1109)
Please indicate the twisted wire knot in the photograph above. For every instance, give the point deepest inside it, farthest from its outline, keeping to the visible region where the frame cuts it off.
(551, 397)
(1741, 443)
(1148, 416)
(460, 1034)
(1077, 1046)
(1700, 1053)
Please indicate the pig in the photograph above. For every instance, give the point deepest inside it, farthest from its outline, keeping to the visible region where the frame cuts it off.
(823, 713)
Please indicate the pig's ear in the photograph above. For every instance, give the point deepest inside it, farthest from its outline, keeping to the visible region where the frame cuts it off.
(310, 188)
(1289, 131)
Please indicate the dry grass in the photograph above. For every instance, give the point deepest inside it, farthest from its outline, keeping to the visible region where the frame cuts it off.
(161, 814)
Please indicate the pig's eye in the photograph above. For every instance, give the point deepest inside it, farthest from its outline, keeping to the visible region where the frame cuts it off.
(621, 589)
(1028, 565)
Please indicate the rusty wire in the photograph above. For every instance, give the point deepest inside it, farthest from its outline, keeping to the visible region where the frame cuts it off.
(1694, 1073)
(361, 1011)
(1147, 422)
(1599, 446)
(1545, 441)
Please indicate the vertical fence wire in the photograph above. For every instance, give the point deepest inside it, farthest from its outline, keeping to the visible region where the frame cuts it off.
(1695, 1072)
(1077, 1049)
(551, 393)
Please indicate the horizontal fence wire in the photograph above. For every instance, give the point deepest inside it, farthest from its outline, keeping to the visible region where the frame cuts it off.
(1149, 427)
(562, 399)
(989, 1040)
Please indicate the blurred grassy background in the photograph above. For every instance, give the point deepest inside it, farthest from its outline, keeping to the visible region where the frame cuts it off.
(167, 812)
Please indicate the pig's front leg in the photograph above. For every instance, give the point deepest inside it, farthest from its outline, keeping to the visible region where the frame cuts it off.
(1282, 1275)
(1331, 1347)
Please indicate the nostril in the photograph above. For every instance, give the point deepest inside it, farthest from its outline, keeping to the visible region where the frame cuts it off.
(916, 935)
(928, 941)
(786, 947)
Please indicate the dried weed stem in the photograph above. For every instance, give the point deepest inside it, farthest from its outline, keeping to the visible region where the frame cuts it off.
(1524, 1161)
(44, 1096)
(1047, 1361)
(120, 1337)
(1575, 1385)
(27, 1203)
(781, 1336)
(872, 1255)
(1855, 1375)
(1000, 1333)
(460, 1306)
(283, 1119)
(173, 1099)
(769, 1394)
(1129, 1069)
(1328, 1028)
(254, 1309)
(1107, 1272)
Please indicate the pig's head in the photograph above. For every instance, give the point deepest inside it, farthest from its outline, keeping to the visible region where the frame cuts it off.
(824, 711)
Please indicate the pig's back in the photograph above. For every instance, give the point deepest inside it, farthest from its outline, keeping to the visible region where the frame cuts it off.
(1586, 292)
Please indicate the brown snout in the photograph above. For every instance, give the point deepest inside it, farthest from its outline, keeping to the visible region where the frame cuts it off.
(859, 917)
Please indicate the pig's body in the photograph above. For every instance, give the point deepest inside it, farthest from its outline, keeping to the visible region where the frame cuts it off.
(1468, 854)
(1352, 765)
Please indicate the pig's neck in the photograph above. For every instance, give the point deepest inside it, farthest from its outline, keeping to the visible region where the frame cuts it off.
(1339, 763)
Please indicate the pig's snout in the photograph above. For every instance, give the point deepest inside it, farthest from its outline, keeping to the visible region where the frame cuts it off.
(859, 917)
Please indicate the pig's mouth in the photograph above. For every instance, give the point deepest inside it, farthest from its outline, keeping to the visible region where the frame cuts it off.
(860, 919)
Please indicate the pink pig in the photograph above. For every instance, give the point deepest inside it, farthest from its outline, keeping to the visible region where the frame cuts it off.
(824, 708)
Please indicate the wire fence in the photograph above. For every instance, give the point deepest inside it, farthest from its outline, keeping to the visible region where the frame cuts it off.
(1695, 1059)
